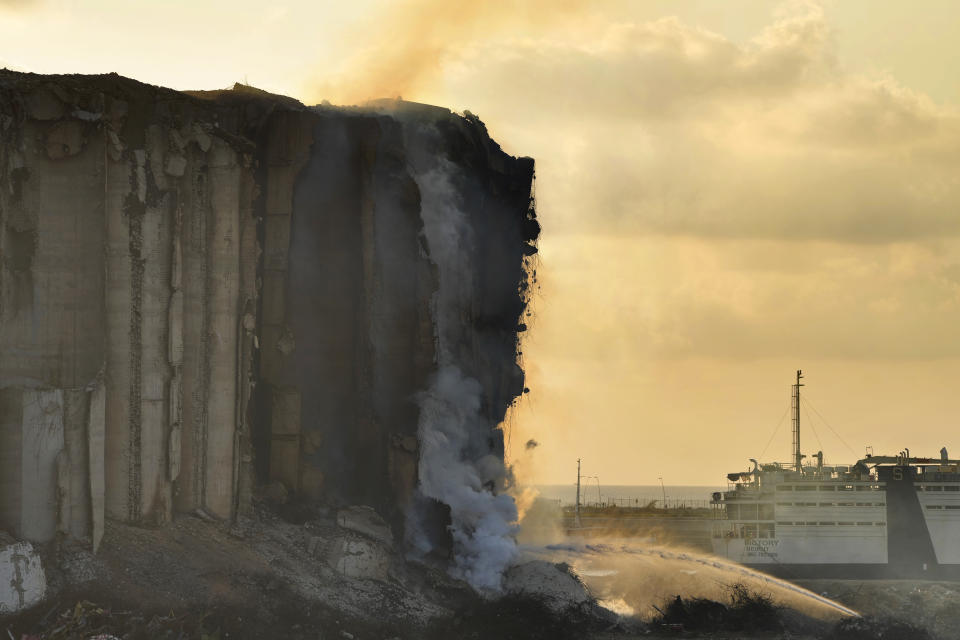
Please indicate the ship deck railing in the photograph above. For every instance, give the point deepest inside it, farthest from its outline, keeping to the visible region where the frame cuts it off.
(641, 504)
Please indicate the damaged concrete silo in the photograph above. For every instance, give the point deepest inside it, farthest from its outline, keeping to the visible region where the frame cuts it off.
(201, 293)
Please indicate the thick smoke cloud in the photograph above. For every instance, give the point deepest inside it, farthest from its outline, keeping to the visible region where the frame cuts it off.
(413, 39)
(482, 523)
(456, 468)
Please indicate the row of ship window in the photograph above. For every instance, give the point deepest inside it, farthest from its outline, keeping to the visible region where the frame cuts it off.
(863, 487)
(831, 524)
(831, 504)
(768, 530)
(829, 487)
(764, 510)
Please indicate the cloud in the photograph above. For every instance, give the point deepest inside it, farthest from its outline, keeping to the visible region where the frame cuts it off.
(17, 4)
(608, 298)
(661, 127)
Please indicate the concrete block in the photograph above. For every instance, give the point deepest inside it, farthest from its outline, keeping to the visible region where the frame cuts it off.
(23, 582)
(285, 419)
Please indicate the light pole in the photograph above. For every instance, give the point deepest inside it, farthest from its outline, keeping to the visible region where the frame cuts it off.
(577, 512)
(664, 492)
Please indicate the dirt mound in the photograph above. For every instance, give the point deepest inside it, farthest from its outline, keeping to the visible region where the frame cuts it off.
(552, 584)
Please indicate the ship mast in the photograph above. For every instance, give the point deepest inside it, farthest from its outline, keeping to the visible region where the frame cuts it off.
(795, 406)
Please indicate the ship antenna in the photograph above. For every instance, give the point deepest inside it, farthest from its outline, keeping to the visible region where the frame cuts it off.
(795, 405)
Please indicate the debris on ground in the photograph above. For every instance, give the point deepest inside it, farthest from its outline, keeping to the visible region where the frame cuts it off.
(874, 628)
(746, 611)
(23, 581)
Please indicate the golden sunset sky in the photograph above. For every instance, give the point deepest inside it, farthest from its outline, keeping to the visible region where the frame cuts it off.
(729, 191)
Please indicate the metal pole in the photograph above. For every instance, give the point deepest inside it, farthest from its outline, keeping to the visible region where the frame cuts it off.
(664, 492)
(578, 494)
(795, 402)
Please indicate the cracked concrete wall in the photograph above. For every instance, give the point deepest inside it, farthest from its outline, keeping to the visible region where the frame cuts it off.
(126, 266)
(222, 289)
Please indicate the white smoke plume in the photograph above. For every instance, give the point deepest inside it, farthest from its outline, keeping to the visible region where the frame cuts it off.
(482, 523)
(456, 468)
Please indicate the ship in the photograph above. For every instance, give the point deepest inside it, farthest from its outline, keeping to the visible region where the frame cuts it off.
(883, 517)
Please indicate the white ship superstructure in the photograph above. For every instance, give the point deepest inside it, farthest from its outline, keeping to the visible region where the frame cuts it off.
(884, 516)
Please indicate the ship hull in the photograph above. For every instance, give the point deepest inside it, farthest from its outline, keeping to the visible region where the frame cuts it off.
(902, 523)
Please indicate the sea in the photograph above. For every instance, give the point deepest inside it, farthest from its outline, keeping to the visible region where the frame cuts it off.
(626, 495)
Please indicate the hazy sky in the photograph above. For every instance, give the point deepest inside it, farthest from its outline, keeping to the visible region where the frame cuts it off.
(729, 191)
